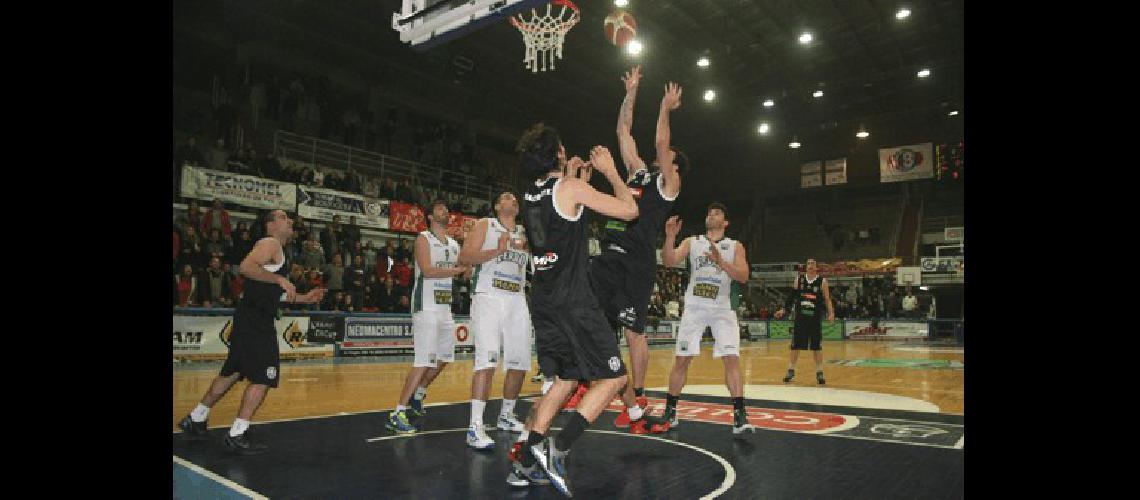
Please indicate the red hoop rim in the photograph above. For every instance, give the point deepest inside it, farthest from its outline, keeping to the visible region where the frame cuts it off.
(568, 3)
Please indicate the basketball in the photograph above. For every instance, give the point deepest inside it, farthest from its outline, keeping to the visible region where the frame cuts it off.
(620, 27)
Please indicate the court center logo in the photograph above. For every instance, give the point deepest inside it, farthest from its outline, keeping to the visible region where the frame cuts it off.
(907, 431)
(615, 363)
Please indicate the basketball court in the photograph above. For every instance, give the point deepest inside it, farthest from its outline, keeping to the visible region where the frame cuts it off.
(894, 430)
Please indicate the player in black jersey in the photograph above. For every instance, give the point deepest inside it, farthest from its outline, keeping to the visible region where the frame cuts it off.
(572, 337)
(811, 292)
(253, 350)
(622, 275)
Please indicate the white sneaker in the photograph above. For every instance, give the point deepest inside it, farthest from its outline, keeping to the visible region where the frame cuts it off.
(510, 423)
(477, 438)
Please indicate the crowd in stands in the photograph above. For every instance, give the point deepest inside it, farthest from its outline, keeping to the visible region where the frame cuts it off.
(360, 276)
(375, 275)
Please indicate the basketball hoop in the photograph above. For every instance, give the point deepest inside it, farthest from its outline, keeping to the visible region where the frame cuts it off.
(544, 34)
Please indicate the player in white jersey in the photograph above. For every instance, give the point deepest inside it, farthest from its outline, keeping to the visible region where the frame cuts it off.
(437, 261)
(500, 318)
(716, 265)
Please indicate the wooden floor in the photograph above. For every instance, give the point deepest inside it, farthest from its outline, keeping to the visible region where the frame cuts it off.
(328, 389)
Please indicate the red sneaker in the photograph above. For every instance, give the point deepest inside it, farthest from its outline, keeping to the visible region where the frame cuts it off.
(643, 402)
(572, 403)
(649, 425)
(622, 420)
(516, 451)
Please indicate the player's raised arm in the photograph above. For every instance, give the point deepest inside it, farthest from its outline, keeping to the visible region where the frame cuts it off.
(626, 144)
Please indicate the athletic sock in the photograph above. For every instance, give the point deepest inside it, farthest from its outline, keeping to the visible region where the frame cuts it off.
(508, 408)
(671, 400)
(239, 427)
(635, 412)
(571, 432)
(477, 407)
(738, 403)
(638, 392)
(400, 408)
(200, 413)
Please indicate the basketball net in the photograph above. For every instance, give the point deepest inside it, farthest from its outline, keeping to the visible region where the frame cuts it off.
(544, 34)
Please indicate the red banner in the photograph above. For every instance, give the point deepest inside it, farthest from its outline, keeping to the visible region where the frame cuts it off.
(405, 217)
(410, 218)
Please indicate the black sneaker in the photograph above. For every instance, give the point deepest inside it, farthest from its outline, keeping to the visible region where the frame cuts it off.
(819, 378)
(191, 429)
(670, 415)
(242, 445)
(791, 375)
(740, 422)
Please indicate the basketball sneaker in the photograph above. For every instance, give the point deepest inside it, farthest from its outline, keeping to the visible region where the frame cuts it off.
(191, 429)
(740, 422)
(416, 406)
(553, 462)
(398, 423)
(242, 445)
(648, 424)
(819, 378)
(516, 451)
(791, 375)
(477, 438)
(510, 423)
(572, 403)
(522, 476)
(622, 420)
(537, 378)
(670, 416)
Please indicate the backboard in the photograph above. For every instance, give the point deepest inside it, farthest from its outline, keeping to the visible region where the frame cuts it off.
(427, 23)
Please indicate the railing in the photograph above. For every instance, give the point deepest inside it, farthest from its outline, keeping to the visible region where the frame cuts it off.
(341, 157)
(939, 223)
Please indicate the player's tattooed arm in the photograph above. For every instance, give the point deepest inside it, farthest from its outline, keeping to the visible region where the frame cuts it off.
(626, 144)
